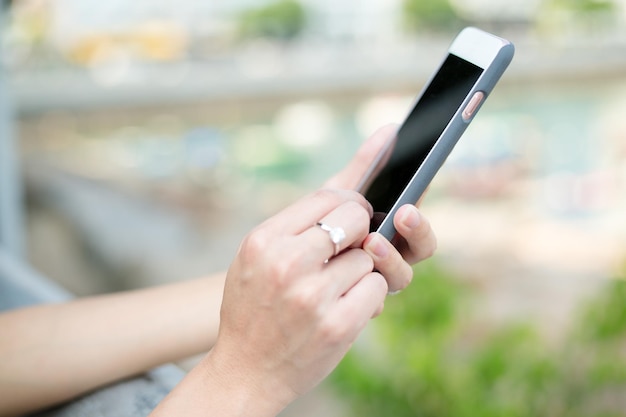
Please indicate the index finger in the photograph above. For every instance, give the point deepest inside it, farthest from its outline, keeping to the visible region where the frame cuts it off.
(305, 212)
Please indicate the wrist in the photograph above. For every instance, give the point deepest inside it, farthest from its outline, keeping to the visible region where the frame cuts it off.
(241, 391)
(213, 388)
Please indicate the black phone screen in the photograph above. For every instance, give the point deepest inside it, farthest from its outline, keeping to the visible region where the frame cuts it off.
(421, 130)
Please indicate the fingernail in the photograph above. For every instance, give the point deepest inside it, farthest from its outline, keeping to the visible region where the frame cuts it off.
(376, 245)
(396, 292)
(411, 218)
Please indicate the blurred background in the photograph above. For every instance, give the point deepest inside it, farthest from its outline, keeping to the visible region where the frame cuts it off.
(152, 135)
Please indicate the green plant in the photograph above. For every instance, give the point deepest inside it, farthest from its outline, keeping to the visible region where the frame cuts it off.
(426, 357)
(430, 14)
(590, 17)
(584, 6)
(282, 19)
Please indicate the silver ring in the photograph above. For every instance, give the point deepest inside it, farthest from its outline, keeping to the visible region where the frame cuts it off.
(336, 234)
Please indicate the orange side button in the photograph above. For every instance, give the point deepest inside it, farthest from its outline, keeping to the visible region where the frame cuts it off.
(472, 106)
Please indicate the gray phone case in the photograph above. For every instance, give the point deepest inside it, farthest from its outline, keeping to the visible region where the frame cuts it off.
(450, 136)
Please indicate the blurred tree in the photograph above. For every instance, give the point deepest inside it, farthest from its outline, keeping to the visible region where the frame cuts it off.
(563, 18)
(430, 15)
(426, 357)
(283, 19)
(584, 6)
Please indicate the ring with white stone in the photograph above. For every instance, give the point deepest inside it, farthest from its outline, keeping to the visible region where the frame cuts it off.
(336, 234)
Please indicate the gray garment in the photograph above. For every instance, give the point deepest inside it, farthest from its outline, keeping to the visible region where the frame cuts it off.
(21, 286)
(133, 398)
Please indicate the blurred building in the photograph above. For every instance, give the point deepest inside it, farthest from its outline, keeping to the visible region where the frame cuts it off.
(90, 30)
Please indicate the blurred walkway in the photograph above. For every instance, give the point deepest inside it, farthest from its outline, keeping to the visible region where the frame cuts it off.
(265, 71)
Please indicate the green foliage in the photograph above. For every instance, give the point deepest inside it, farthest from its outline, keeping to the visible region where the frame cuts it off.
(590, 18)
(584, 6)
(283, 19)
(427, 357)
(605, 319)
(430, 14)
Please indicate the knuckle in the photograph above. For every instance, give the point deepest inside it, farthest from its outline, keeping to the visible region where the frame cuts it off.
(282, 269)
(366, 260)
(254, 245)
(383, 285)
(338, 196)
(333, 332)
(265, 254)
(430, 249)
(358, 211)
(325, 194)
(405, 277)
(306, 300)
(361, 260)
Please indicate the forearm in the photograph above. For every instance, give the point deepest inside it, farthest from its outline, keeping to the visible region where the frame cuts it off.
(52, 353)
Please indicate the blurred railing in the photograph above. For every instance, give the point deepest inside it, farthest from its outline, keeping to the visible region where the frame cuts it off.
(11, 234)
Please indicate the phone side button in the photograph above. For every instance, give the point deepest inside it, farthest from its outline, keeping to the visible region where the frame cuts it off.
(472, 106)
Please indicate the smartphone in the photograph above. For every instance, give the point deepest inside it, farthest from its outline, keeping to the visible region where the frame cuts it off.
(474, 63)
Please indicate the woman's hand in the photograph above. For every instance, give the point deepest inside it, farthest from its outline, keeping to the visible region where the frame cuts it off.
(292, 308)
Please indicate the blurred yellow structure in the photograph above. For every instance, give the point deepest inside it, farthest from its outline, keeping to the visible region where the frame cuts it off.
(150, 41)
